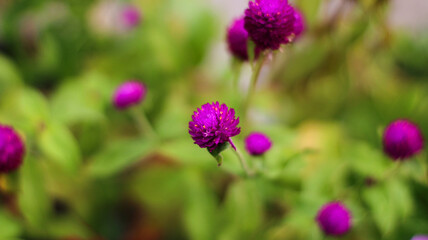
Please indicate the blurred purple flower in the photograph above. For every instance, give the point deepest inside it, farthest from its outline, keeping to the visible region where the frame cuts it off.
(212, 125)
(131, 16)
(420, 237)
(12, 149)
(113, 18)
(257, 143)
(129, 94)
(237, 38)
(269, 23)
(334, 219)
(402, 139)
(299, 23)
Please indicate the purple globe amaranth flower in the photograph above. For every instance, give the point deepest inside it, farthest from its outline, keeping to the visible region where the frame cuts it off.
(129, 94)
(237, 40)
(420, 237)
(334, 219)
(213, 125)
(257, 143)
(269, 23)
(299, 23)
(12, 149)
(130, 16)
(402, 139)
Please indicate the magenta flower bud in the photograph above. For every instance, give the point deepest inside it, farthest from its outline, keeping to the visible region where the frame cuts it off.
(237, 39)
(129, 94)
(213, 125)
(420, 237)
(299, 23)
(269, 23)
(402, 139)
(334, 219)
(12, 149)
(131, 16)
(257, 143)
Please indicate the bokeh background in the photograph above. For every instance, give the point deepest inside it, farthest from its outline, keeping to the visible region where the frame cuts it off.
(323, 100)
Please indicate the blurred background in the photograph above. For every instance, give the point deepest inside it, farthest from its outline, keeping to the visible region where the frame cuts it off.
(323, 100)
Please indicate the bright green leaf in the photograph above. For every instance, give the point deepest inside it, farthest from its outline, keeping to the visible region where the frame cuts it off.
(118, 156)
(60, 146)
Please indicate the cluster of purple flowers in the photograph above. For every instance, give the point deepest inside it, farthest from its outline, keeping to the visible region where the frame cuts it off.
(268, 23)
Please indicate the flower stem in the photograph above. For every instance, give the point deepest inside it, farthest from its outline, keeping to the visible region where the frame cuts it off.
(244, 164)
(424, 166)
(391, 172)
(236, 71)
(255, 75)
(142, 122)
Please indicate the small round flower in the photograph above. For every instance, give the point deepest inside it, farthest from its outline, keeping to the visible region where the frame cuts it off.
(131, 16)
(257, 143)
(402, 139)
(269, 23)
(212, 125)
(299, 23)
(12, 149)
(237, 38)
(420, 237)
(129, 94)
(334, 219)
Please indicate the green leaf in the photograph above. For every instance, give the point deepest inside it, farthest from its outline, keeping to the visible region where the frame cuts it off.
(118, 156)
(32, 196)
(382, 208)
(186, 152)
(9, 76)
(200, 215)
(243, 211)
(82, 99)
(310, 9)
(60, 146)
(26, 108)
(10, 227)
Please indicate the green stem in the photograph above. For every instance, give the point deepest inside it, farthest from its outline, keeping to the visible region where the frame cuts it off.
(424, 166)
(142, 122)
(391, 172)
(237, 69)
(244, 164)
(253, 83)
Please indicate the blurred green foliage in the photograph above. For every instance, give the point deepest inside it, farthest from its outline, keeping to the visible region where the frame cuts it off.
(324, 101)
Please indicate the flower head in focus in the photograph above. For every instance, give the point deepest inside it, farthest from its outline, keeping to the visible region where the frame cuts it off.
(402, 139)
(12, 149)
(213, 125)
(257, 143)
(269, 23)
(334, 219)
(129, 94)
